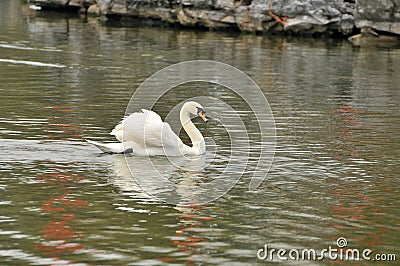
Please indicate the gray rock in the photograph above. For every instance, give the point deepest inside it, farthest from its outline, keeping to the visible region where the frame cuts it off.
(93, 10)
(255, 19)
(51, 3)
(368, 37)
(105, 6)
(224, 4)
(60, 4)
(303, 16)
(206, 18)
(382, 15)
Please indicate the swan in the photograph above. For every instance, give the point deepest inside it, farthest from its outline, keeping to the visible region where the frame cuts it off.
(145, 134)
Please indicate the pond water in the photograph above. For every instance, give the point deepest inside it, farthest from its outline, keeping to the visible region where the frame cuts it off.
(64, 78)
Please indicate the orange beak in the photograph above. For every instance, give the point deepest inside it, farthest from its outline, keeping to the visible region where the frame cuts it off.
(203, 116)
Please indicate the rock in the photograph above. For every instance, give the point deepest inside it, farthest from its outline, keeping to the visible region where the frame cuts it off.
(210, 4)
(212, 19)
(167, 15)
(313, 16)
(229, 19)
(185, 19)
(51, 3)
(56, 2)
(93, 10)
(368, 37)
(67, 5)
(105, 6)
(346, 25)
(303, 16)
(35, 8)
(255, 19)
(379, 21)
(381, 15)
(225, 4)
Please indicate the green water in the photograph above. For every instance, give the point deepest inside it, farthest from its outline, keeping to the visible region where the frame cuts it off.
(64, 78)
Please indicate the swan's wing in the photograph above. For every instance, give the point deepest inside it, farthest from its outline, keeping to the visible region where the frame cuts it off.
(169, 138)
(147, 130)
(118, 131)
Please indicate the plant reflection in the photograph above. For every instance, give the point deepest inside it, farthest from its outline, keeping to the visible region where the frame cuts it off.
(60, 126)
(347, 115)
(59, 233)
(353, 202)
(189, 220)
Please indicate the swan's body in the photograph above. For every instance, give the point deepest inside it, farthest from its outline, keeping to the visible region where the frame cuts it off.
(145, 134)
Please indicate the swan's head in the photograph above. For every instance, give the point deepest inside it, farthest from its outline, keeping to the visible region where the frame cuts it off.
(195, 109)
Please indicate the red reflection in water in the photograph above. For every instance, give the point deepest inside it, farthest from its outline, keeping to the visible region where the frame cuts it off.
(59, 233)
(357, 206)
(61, 125)
(353, 203)
(189, 221)
(346, 132)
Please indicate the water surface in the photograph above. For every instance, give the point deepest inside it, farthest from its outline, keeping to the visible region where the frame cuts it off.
(64, 78)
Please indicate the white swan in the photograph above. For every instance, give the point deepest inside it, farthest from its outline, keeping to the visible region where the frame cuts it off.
(145, 134)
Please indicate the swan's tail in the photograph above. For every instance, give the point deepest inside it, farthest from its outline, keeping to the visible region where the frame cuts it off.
(116, 147)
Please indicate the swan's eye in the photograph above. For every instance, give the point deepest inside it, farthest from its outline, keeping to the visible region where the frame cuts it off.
(200, 111)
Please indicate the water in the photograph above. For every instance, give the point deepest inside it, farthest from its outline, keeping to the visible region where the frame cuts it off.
(63, 78)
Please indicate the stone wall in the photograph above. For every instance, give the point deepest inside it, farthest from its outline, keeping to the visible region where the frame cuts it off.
(267, 16)
(301, 16)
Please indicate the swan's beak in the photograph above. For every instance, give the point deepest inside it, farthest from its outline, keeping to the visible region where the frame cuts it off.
(203, 116)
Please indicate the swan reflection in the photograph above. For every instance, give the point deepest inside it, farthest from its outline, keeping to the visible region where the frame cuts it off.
(182, 181)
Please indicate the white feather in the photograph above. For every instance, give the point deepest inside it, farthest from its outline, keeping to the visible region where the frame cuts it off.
(146, 134)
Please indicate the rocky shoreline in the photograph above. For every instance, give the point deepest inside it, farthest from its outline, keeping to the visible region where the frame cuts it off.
(299, 17)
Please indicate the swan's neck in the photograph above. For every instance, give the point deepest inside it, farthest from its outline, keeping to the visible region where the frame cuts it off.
(194, 134)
